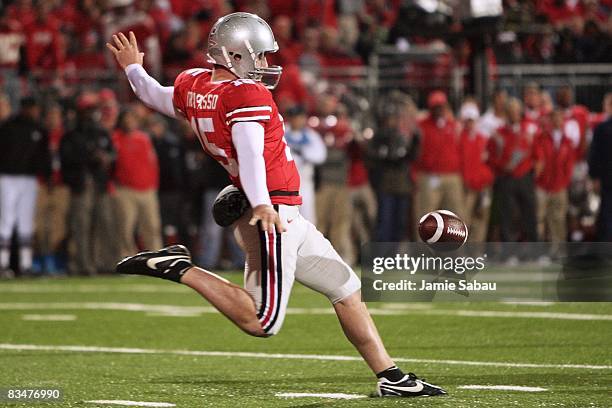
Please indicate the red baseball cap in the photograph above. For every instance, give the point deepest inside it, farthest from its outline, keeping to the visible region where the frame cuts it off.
(436, 98)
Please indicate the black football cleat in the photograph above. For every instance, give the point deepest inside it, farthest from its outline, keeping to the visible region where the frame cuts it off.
(409, 386)
(168, 263)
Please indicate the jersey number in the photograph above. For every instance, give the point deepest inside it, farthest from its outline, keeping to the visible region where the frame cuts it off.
(201, 127)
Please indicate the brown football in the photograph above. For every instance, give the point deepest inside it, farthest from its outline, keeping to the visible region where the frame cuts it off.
(443, 230)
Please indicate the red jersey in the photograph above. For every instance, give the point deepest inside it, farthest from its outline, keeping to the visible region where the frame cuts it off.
(439, 146)
(136, 166)
(212, 108)
(511, 149)
(557, 158)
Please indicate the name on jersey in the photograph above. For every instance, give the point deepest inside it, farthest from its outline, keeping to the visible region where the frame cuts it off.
(199, 101)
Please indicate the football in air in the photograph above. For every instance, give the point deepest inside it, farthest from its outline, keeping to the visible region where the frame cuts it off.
(443, 230)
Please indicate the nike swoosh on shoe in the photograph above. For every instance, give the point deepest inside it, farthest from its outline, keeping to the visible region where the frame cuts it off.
(152, 262)
(418, 387)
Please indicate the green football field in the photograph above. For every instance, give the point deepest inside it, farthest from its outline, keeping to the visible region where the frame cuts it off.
(139, 339)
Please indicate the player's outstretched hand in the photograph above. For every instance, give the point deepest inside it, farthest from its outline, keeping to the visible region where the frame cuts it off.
(269, 218)
(126, 51)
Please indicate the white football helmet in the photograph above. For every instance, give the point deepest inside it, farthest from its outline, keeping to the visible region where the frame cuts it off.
(239, 41)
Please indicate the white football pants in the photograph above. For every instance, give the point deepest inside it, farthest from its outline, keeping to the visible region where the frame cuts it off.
(274, 261)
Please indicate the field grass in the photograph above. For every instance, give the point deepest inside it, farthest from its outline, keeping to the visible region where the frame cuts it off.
(167, 317)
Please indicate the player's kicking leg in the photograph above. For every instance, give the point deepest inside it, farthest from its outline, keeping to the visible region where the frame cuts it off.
(174, 263)
(321, 269)
(362, 333)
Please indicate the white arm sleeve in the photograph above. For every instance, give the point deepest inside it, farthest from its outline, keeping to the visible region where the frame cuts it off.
(248, 138)
(149, 91)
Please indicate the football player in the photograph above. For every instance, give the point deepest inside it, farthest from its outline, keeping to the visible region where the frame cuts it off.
(231, 110)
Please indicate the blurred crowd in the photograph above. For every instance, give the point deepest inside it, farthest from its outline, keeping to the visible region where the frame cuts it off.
(556, 31)
(60, 43)
(82, 186)
(88, 176)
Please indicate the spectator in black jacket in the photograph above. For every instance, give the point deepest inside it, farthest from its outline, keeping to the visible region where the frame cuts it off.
(172, 179)
(87, 155)
(600, 169)
(23, 156)
(391, 151)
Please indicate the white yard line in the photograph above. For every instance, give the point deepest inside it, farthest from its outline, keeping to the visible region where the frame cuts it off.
(519, 302)
(245, 354)
(407, 306)
(195, 310)
(91, 288)
(502, 388)
(318, 395)
(49, 317)
(534, 315)
(129, 307)
(131, 403)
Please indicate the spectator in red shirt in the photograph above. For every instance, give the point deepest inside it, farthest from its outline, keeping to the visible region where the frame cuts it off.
(137, 179)
(439, 167)
(44, 45)
(477, 175)
(511, 156)
(555, 156)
